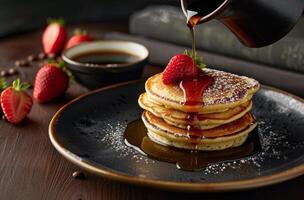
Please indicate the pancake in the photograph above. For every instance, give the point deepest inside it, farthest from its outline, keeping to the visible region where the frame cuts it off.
(229, 135)
(153, 122)
(203, 145)
(227, 91)
(202, 121)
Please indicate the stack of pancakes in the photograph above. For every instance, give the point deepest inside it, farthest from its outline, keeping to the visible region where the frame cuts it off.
(222, 119)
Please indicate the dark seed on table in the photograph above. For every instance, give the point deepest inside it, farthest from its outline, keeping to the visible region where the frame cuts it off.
(79, 175)
(41, 56)
(18, 63)
(12, 71)
(21, 63)
(32, 58)
(25, 63)
(3, 73)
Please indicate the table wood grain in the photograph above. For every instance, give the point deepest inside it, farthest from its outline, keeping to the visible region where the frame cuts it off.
(30, 168)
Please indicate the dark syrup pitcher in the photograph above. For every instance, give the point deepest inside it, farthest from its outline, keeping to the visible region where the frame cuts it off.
(255, 23)
(189, 160)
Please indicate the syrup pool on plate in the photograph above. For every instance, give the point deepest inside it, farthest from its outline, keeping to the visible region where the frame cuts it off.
(136, 137)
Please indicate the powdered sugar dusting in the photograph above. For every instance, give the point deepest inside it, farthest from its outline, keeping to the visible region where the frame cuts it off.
(275, 145)
(230, 86)
(110, 134)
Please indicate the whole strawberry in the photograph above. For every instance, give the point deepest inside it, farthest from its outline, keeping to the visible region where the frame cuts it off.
(15, 102)
(79, 37)
(51, 82)
(182, 66)
(54, 37)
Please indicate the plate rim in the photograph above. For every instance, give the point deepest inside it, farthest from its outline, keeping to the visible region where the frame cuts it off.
(168, 185)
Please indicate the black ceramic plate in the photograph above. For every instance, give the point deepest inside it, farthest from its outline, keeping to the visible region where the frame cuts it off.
(89, 132)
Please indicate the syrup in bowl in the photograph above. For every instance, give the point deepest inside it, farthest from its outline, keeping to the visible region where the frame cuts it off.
(107, 58)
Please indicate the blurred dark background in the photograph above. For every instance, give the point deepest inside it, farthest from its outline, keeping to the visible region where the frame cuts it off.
(149, 22)
(23, 15)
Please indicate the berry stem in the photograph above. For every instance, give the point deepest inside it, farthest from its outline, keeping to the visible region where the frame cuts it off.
(59, 21)
(18, 86)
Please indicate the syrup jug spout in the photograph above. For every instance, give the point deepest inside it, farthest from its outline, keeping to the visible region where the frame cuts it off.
(256, 23)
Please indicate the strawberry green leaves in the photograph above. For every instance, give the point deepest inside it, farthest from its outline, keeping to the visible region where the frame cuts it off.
(18, 86)
(198, 60)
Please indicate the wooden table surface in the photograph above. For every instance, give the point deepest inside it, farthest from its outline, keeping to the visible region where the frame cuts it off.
(30, 168)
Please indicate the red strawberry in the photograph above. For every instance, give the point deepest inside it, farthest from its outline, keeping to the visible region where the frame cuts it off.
(54, 37)
(180, 66)
(51, 82)
(79, 36)
(15, 102)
